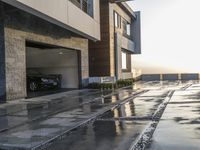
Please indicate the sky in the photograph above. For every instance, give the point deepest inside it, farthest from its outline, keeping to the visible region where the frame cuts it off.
(170, 31)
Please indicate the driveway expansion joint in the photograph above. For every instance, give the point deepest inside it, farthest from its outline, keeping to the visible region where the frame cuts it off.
(145, 137)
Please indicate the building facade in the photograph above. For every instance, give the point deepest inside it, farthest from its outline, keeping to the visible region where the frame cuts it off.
(120, 32)
(49, 37)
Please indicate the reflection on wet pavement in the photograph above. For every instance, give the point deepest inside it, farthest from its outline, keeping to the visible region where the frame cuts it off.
(50, 117)
(180, 123)
(38, 110)
(32, 134)
(102, 135)
(139, 107)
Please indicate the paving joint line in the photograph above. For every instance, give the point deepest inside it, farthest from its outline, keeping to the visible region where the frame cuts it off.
(145, 137)
(143, 118)
(186, 87)
(186, 102)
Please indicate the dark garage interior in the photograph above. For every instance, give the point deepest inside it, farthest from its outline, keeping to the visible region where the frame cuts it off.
(50, 63)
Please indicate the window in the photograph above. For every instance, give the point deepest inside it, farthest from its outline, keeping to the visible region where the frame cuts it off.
(126, 28)
(124, 60)
(76, 2)
(85, 5)
(117, 18)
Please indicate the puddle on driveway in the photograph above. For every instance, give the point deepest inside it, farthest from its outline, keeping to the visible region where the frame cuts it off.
(7, 122)
(30, 135)
(143, 105)
(72, 108)
(137, 107)
(98, 135)
(101, 135)
(85, 111)
(185, 113)
(37, 110)
(115, 97)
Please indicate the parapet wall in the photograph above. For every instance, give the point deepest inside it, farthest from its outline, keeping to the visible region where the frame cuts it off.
(181, 76)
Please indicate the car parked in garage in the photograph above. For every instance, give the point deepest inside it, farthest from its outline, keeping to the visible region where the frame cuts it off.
(37, 81)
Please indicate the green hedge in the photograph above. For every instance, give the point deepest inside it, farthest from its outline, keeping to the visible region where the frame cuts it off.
(123, 83)
(118, 84)
(100, 86)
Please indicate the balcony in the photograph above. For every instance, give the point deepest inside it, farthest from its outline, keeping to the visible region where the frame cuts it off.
(128, 44)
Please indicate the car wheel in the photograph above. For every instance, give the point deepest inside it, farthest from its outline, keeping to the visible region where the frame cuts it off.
(33, 86)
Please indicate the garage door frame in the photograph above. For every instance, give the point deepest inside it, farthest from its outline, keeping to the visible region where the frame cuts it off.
(35, 44)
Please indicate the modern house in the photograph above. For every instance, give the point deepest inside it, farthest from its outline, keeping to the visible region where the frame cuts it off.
(120, 33)
(47, 36)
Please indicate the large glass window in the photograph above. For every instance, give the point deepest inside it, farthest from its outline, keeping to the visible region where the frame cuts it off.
(124, 60)
(126, 28)
(85, 5)
(76, 2)
(117, 19)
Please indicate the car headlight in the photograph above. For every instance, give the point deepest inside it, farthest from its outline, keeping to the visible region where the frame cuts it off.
(44, 80)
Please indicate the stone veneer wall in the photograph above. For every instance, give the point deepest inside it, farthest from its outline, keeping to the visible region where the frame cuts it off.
(20, 27)
(116, 40)
(103, 53)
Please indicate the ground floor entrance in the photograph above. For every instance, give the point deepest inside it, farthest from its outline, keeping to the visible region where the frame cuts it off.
(42, 52)
(50, 69)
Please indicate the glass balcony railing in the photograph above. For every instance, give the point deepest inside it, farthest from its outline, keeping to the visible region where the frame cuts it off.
(84, 5)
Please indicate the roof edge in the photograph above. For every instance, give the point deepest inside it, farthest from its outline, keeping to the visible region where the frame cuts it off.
(127, 9)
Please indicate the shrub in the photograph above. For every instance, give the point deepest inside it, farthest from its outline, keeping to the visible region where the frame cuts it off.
(125, 82)
(118, 84)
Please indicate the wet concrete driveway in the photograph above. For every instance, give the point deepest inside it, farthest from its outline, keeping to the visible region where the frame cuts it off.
(179, 127)
(96, 120)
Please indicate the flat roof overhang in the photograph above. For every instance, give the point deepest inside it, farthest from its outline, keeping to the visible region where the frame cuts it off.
(125, 7)
(47, 18)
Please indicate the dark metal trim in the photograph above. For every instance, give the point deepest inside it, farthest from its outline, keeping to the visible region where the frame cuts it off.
(2, 57)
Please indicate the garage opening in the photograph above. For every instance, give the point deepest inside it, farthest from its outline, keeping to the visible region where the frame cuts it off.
(51, 69)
